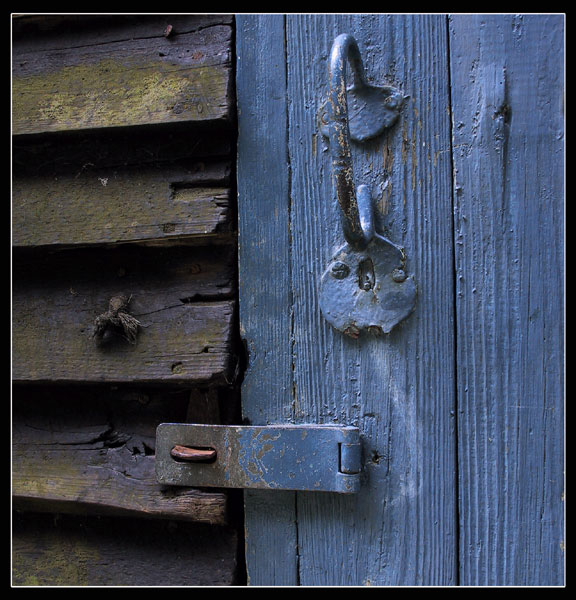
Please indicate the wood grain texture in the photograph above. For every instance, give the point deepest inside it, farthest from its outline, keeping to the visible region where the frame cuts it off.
(132, 76)
(265, 294)
(507, 102)
(111, 205)
(61, 31)
(398, 389)
(99, 459)
(401, 528)
(73, 551)
(179, 296)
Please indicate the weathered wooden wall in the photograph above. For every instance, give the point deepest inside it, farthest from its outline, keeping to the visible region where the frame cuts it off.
(122, 158)
(461, 407)
(399, 389)
(122, 72)
(124, 182)
(508, 131)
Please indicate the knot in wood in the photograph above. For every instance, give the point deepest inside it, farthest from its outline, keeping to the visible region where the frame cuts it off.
(116, 321)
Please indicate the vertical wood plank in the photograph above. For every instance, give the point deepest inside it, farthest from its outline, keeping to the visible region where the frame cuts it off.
(264, 282)
(507, 95)
(401, 528)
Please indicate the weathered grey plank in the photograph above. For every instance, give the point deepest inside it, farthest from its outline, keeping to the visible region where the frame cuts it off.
(401, 528)
(91, 451)
(507, 102)
(123, 204)
(67, 551)
(134, 77)
(265, 294)
(178, 296)
(399, 389)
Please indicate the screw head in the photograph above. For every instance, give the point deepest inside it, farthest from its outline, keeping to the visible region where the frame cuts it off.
(398, 275)
(340, 270)
(352, 331)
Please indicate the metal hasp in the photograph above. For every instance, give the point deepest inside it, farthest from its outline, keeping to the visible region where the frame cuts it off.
(322, 458)
(365, 287)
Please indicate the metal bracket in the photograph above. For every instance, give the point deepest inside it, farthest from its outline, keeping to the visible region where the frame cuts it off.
(365, 286)
(282, 457)
(371, 109)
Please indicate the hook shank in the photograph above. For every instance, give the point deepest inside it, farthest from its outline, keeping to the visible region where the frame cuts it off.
(345, 49)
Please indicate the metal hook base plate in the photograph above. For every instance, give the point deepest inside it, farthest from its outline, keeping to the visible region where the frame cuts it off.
(371, 110)
(367, 289)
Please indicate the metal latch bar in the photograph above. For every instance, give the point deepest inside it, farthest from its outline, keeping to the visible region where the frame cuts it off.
(283, 457)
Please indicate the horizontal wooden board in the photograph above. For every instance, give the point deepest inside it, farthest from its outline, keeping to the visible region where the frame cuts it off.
(180, 296)
(56, 31)
(124, 204)
(73, 551)
(122, 74)
(91, 451)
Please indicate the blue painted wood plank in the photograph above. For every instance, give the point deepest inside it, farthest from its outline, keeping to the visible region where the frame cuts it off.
(507, 95)
(401, 529)
(265, 295)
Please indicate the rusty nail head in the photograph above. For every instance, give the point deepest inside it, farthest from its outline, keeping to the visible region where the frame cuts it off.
(398, 275)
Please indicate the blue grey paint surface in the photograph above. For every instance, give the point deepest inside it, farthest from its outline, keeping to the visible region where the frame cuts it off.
(264, 283)
(507, 96)
(460, 406)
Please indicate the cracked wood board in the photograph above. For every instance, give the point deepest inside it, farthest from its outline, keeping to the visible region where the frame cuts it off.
(90, 205)
(119, 75)
(181, 296)
(100, 459)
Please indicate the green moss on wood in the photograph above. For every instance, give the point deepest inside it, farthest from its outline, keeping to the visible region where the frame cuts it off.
(114, 93)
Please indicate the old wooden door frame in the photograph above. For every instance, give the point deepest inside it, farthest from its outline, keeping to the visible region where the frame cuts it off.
(455, 403)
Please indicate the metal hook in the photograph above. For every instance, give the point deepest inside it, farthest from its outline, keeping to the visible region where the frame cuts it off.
(373, 109)
(344, 47)
(365, 285)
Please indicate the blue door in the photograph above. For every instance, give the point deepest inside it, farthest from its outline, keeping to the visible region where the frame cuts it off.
(460, 405)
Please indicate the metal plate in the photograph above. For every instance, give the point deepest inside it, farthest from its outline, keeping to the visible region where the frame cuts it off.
(285, 457)
(367, 289)
(371, 110)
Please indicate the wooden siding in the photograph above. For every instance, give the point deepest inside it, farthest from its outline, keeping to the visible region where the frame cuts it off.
(186, 326)
(119, 73)
(122, 158)
(81, 551)
(91, 451)
(163, 202)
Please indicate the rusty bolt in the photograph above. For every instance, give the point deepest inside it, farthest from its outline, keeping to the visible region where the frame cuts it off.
(352, 331)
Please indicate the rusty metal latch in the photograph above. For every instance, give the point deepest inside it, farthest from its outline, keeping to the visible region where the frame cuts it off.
(274, 457)
(365, 286)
